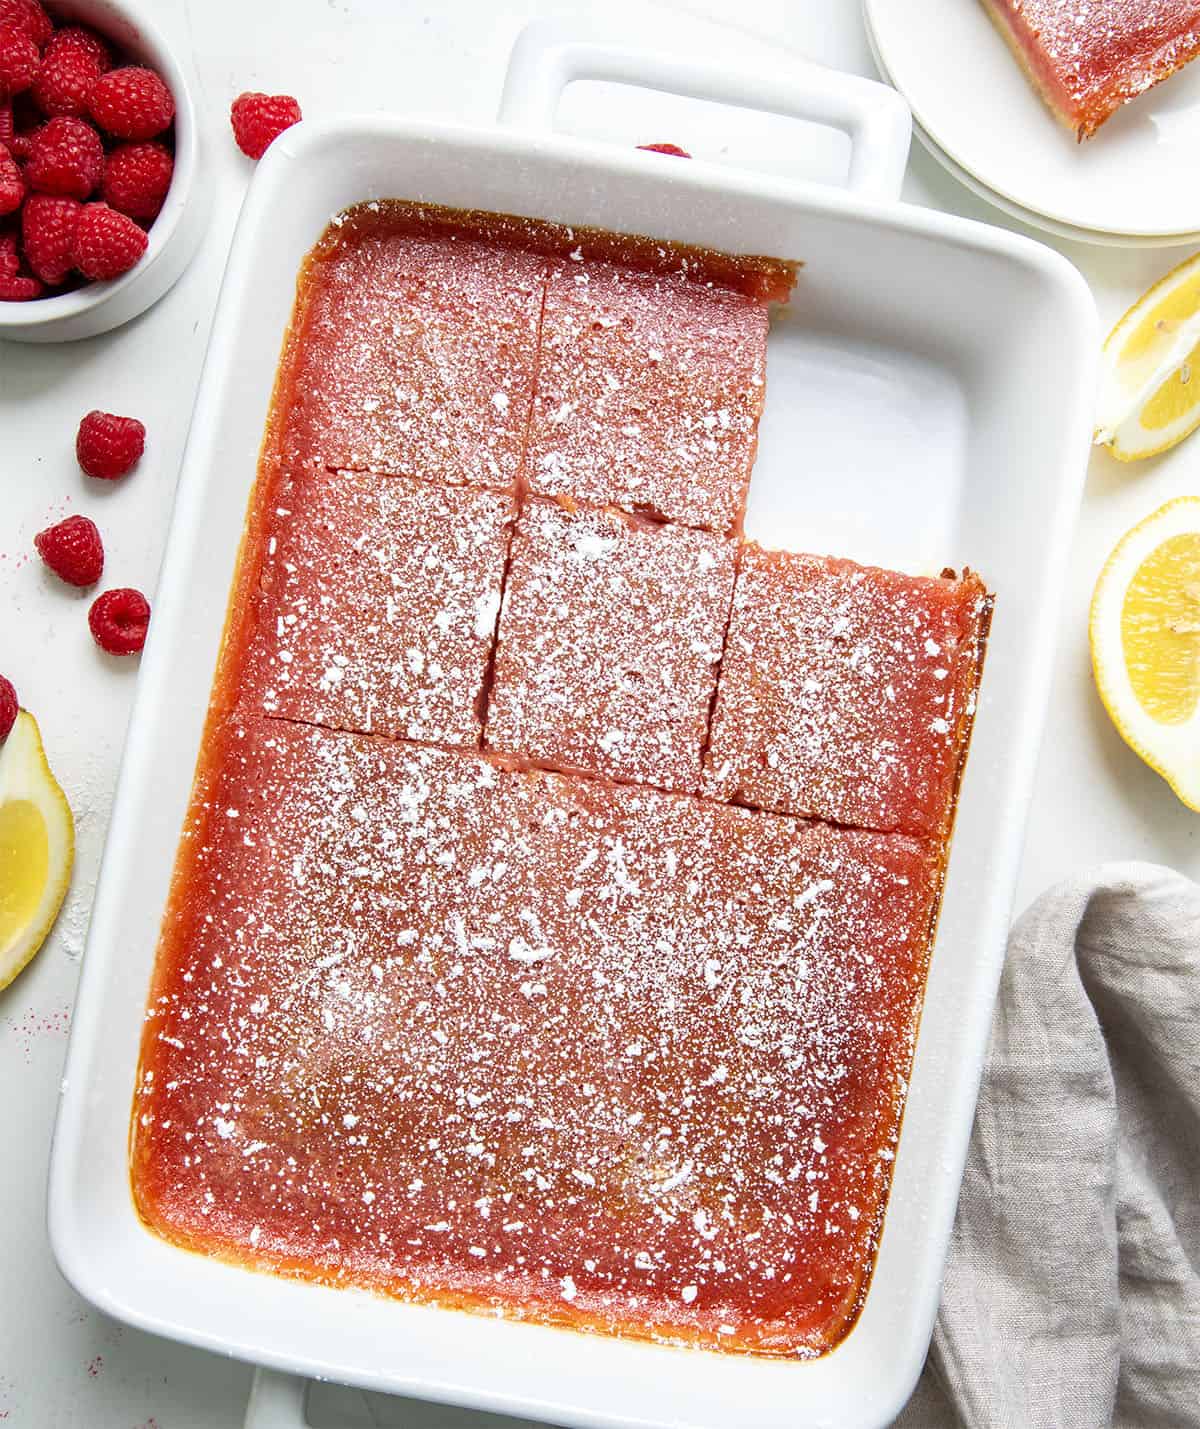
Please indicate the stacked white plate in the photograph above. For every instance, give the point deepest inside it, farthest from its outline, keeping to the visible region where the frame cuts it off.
(1132, 184)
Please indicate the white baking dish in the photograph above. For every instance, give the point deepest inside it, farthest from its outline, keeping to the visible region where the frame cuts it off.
(928, 403)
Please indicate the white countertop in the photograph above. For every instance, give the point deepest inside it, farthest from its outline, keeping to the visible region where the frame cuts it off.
(61, 1363)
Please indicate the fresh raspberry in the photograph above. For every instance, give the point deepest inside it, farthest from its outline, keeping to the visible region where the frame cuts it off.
(17, 289)
(73, 550)
(83, 40)
(9, 708)
(131, 103)
(107, 243)
(28, 17)
(12, 185)
(66, 157)
(10, 259)
(672, 149)
(74, 60)
(48, 227)
(136, 179)
(258, 119)
(19, 60)
(119, 620)
(107, 445)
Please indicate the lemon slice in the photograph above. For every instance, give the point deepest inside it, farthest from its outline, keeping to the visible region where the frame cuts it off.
(1145, 638)
(1150, 376)
(37, 847)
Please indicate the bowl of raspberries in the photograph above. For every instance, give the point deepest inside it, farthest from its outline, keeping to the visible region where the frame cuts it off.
(98, 167)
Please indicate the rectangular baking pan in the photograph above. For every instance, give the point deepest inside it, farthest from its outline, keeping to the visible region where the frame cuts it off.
(928, 404)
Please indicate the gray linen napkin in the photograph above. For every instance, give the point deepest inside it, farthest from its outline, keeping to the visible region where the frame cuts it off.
(1072, 1289)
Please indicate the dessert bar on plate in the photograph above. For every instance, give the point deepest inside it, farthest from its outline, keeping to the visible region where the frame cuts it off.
(550, 924)
(1089, 57)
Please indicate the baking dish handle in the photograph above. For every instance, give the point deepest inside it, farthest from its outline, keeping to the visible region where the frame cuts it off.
(276, 1401)
(549, 54)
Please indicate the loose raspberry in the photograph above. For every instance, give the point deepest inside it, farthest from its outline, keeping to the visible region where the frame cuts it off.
(258, 119)
(12, 185)
(9, 708)
(131, 103)
(672, 149)
(17, 289)
(66, 157)
(48, 226)
(19, 60)
(73, 550)
(74, 60)
(108, 446)
(119, 620)
(107, 243)
(28, 17)
(136, 179)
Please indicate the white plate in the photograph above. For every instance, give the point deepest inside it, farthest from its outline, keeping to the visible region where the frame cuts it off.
(890, 433)
(1134, 179)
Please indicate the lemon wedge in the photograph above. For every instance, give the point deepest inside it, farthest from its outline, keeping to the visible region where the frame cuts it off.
(1145, 638)
(1150, 374)
(37, 847)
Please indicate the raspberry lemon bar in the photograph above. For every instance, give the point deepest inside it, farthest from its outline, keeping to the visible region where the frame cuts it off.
(478, 984)
(609, 643)
(847, 692)
(376, 604)
(517, 1042)
(1089, 57)
(649, 390)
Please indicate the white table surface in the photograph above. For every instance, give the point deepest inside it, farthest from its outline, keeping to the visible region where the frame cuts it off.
(61, 1363)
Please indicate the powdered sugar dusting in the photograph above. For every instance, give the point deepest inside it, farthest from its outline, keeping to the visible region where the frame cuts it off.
(600, 1120)
(609, 644)
(418, 359)
(844, 691)
(1091, 56)
(377, 607)
(649, 392)
(462, 1026)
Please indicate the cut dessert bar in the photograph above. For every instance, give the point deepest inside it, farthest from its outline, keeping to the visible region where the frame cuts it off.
(649, 391)
(608, 644)
(416, 356)
(1088, 57)
(523, 1041)
(376, 604)
(846, 691)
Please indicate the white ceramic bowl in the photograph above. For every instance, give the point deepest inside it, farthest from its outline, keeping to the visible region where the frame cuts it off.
(176, 232)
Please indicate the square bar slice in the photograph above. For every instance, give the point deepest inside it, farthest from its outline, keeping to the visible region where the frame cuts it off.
(376, 604)
(1088, 59)
(649, 391)
(591, 1055)
(609, 641)
(416, 357)
(846, 691)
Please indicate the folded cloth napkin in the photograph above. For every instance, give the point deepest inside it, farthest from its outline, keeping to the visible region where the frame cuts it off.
(1072, 1289)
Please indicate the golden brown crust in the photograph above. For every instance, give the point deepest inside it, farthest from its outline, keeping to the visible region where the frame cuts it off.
(755, 276)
